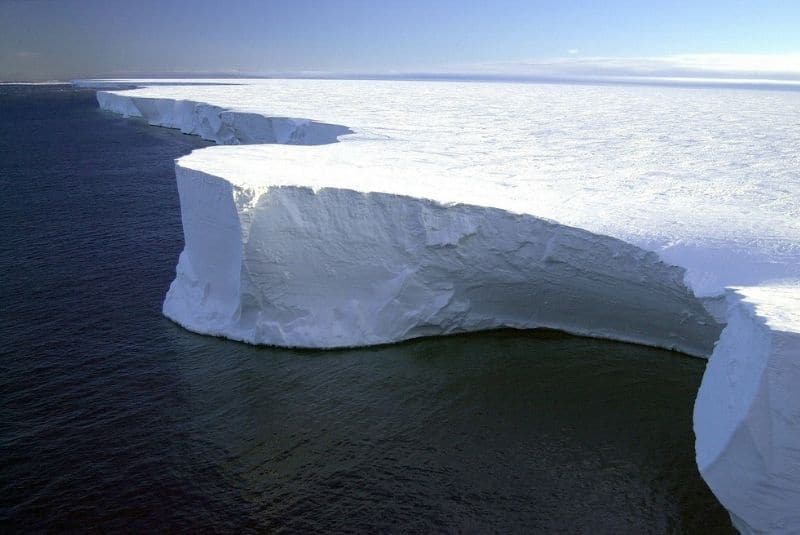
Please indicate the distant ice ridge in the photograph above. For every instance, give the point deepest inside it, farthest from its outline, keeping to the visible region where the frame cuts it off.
(431, 218)
(219, 125)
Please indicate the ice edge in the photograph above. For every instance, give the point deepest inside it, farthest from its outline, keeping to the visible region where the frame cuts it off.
(737, 464)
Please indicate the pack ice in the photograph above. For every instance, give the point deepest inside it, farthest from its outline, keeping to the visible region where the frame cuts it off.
(371, 212)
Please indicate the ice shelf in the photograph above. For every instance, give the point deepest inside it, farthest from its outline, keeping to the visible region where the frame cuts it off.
(663, 216)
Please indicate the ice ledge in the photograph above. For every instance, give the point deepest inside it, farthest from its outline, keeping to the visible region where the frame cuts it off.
(291, 266)
(747, 415)
(273, 259)
(217, 124)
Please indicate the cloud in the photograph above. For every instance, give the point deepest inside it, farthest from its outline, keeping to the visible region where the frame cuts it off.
(26, 54)
(736, 66)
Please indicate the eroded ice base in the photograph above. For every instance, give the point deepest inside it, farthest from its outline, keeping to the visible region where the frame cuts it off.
(331, 267)
(376, 239)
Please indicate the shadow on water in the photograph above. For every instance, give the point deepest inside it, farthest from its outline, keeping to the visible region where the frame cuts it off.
(506, 430)
(115, 418)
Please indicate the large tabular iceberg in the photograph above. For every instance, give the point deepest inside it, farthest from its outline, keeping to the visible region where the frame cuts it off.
(668, 217)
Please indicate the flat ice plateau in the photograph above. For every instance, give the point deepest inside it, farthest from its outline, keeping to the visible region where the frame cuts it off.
(345, 213)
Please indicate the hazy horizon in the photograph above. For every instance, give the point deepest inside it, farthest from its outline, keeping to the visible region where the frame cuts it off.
(50, 40)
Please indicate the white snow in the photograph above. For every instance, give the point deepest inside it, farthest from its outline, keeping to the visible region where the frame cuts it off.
(429, 208)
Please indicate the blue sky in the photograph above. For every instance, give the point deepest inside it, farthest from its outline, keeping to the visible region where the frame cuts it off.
(61, 39)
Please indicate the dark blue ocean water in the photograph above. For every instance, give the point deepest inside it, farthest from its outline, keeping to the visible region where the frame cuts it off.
(113, 418)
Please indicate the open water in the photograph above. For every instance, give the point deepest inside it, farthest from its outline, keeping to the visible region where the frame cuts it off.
(112, 418)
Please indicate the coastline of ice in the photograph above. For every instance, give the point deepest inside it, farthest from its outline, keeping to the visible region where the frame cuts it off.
(434, 216)
(356, 267)
(748, 408)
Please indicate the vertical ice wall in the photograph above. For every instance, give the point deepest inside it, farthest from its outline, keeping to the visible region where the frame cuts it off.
(333, 268)
(747, 413)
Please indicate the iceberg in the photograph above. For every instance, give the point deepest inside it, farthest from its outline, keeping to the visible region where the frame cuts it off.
(346, 213)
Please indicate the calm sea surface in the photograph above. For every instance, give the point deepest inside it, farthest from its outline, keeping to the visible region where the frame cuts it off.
(114, 418)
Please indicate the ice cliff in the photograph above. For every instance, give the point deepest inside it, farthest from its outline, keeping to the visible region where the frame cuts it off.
(293, 266)
(438, 223)
(219, 125)
(748, 409)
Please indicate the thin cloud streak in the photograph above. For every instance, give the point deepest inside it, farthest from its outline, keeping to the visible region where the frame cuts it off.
(728, 66)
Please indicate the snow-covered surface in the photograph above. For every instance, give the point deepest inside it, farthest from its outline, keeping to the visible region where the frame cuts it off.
(708, 178)
(422, 209)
